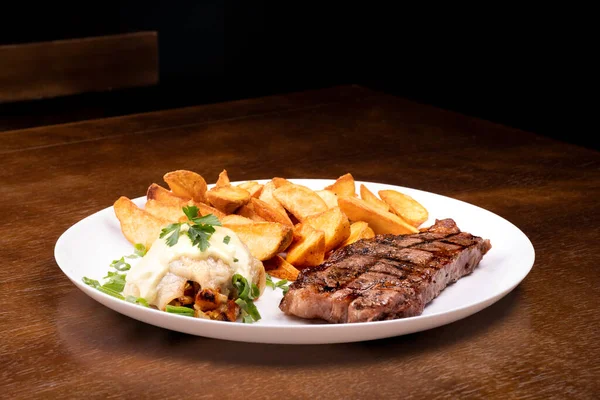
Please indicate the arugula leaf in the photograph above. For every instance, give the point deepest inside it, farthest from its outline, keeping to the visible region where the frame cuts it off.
(246, 295)
(173, 229)
(186, 311)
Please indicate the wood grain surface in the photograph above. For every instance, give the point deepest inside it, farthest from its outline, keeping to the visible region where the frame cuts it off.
(538, 342)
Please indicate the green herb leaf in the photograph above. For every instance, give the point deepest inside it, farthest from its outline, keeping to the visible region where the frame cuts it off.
(115, 281)
(140, 250)
(91, 282)
(246, 295)
(111, 292)
(188, 312)
(120, 265)
(226, 239)
(208, 219)
(199, 235)
(191, 212)
(282, 284)
(173, 230)
(137, 300)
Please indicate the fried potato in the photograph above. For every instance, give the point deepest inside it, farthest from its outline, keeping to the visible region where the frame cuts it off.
(333, 223)
(405, 207)
(308, 248)
(373, 200)
(234, 219)
(358, 230)
(267, 196)
(253, 187)
(168, 212)
(137, 225)
(187, 185)
(164, 196)
(270, 213)
(279, 182)
(328, 197)
(278, 267)
(264, 239)
(343, 186)
(247, 211)
(223, 179)
(227, 199)
(381, 222)
(168, 199)
(299, 200)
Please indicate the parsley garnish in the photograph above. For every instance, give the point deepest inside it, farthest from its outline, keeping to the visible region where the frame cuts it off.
(282, 284)
(199, 231)
(226, 239)
(173, 229)
(246, 295)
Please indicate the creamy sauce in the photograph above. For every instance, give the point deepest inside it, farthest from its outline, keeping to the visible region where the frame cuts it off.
(212, 268)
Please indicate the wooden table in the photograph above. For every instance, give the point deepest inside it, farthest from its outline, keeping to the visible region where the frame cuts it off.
(540, 341)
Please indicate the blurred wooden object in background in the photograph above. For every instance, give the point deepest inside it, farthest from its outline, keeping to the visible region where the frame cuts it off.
(65, 67)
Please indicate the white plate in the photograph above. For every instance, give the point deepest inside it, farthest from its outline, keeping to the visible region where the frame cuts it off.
(88, 247)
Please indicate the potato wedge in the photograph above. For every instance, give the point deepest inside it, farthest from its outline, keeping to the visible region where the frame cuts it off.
(168, 199)
(234, 219)
(328, 197)
(278, 267)
(334, 224)
(137, 225)
(164, 196)
(370, 198)
(358, 230)
(279, 182)
(227, 199)
(223, 179)
(343, 186)
(264, 239)
(267, 196)
(253, 187)
(381, 222)
(247, 211)
(299, 200)
(187, 185)
(165, 211)
(270, 213)
(307, 249)
(405, 207)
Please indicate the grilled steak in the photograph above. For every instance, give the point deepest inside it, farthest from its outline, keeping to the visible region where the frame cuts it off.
(386, 277)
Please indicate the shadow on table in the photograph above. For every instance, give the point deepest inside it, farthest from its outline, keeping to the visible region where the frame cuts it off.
(128, 337)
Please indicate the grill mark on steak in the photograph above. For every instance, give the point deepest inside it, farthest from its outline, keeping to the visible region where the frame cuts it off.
(385, 277)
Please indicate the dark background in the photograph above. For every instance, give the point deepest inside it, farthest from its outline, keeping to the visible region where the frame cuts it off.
(513, 66)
